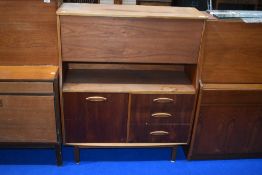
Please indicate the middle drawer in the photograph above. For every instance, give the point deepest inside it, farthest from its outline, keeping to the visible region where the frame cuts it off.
(161, 108)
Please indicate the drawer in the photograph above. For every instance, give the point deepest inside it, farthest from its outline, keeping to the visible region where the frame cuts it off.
(26, 87)
(27, 119)
(159, 133)
(161, 108)
(231, 96)
(95, 117)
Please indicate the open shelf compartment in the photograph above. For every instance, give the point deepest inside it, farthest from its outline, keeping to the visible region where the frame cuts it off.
(127, 78)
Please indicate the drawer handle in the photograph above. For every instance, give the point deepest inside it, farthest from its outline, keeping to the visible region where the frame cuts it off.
(96, 98)
(159, 133)
(163, 100)
(161, 115)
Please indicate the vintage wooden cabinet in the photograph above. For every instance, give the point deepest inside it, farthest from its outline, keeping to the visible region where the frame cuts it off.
(128, 74)
(228, 120)
(29, 107)
(29, 103)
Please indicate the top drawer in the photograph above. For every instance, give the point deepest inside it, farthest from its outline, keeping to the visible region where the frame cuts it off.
(26, 87)
(139, 40)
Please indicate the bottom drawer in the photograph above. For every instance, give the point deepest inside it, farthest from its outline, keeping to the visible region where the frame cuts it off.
(159, 133)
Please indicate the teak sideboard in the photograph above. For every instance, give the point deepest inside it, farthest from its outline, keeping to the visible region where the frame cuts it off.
(128, 75)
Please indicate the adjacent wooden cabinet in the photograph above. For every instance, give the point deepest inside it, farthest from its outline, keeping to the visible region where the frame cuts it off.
(29, 107)
(228, 119)
(228, 123)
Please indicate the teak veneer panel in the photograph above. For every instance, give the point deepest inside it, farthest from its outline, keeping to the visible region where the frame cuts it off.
(135, 11)
(228, 123)
(130, 40)
(95, 121)
(231, 52)
(27, 119)
(28, 73)
(28, 32)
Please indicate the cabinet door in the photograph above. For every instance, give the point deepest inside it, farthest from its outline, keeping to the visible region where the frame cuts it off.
(27, 119)
(95, 117)
(231, 127)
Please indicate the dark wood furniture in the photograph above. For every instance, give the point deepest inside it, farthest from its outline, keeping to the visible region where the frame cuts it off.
(228, 119)
(29, 107)
(128, 75)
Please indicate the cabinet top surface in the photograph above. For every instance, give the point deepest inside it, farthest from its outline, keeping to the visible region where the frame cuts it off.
(28, 73)
(136, 11)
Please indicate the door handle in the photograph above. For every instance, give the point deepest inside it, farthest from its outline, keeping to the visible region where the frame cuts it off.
(163, 100)
(161, 115)
(96, 98)
(159, 133)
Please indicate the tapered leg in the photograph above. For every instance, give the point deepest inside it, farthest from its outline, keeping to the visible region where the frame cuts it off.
(58, 151)
(174, 149)
(77, 154)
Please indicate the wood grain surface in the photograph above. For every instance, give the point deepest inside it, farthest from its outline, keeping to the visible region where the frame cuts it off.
(143, 106)
(132, 40)
(27, 119)
(28, 73)
(95, 121)
(232, 52)
(228, 124)
(28, 32)
(74, 9)
(26, 87)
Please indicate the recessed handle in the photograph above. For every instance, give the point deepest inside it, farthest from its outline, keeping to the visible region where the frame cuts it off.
(159, 133)
(96, 98)
(1, 103)
(161, 115)
(163, 100)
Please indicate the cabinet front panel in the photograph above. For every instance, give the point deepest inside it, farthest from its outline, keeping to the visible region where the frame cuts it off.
(159, 133)
(146, 109)
(142, 40)
(27, 119)
(95, 117)
(224, 129)
(228, 124)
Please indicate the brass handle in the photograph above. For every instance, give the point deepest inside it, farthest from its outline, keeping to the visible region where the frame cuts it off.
(161, 115)
(163, 100)
(96, 98)
(159, 133)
